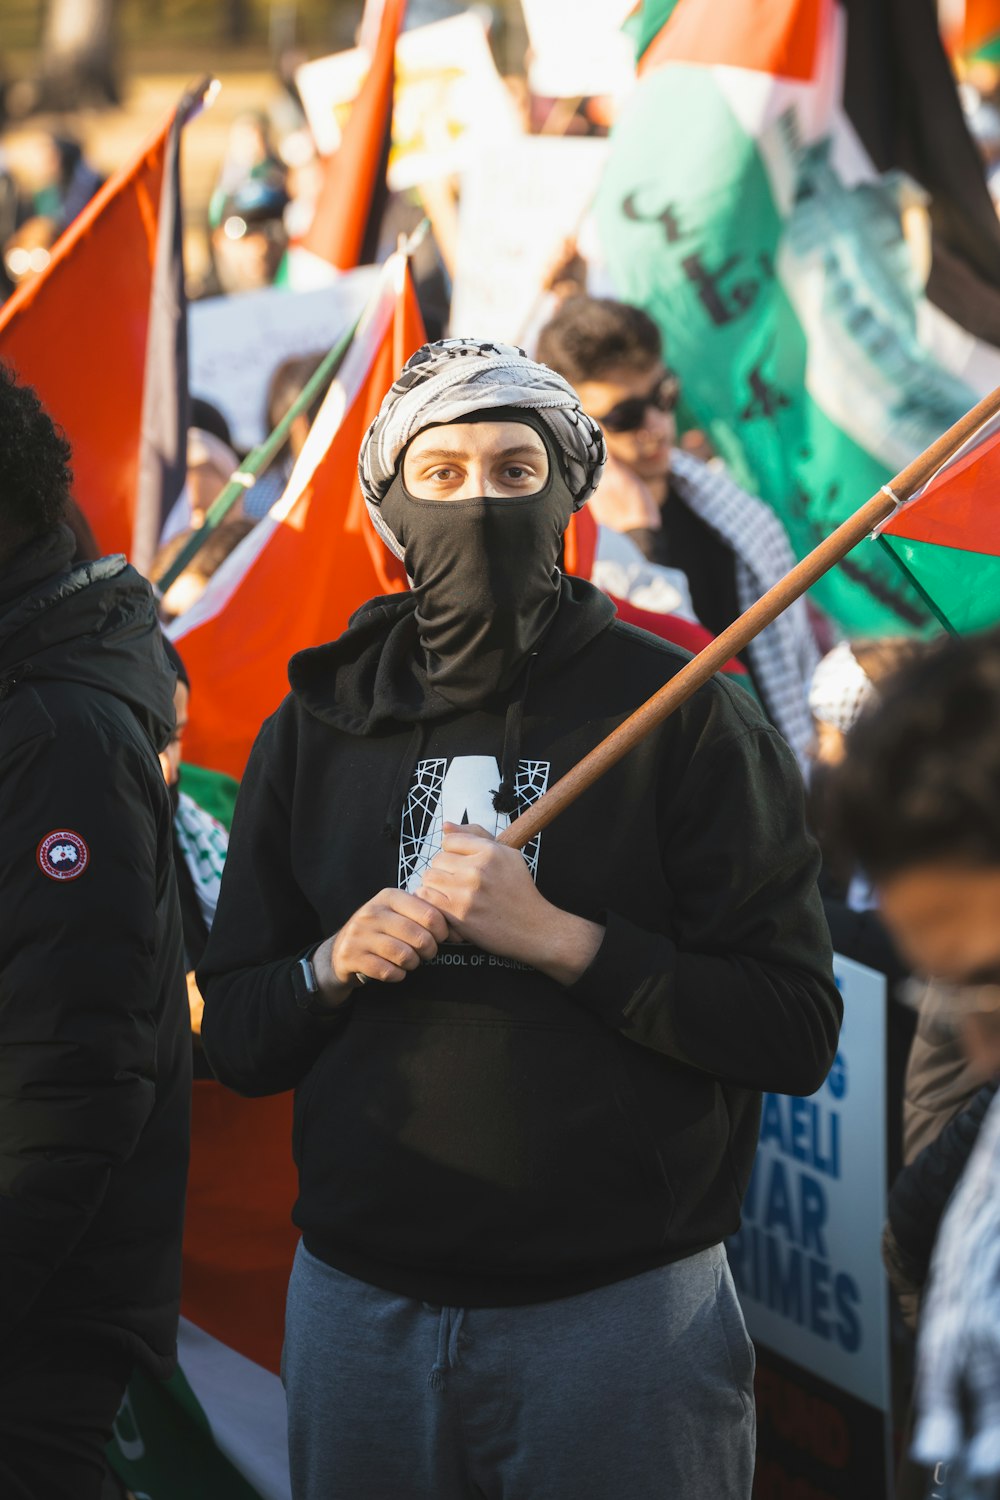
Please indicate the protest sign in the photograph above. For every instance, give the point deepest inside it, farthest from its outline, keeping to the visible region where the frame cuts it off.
(237, 343)
(806, 1261)
(449, 95)
(503, 255)
(578, 48)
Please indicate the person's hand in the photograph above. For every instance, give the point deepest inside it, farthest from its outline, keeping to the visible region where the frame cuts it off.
(390, 935)
(195, 1003)
(622, 502)
(486, 892)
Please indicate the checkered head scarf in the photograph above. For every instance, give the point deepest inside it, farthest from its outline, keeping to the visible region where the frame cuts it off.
(840, 688)
(453, 377)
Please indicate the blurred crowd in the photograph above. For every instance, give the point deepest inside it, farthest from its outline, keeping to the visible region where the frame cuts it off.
(677, 544)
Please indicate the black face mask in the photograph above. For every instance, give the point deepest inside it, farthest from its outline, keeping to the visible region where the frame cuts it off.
(485, 575)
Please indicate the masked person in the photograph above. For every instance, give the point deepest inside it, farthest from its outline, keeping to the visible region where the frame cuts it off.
(527, 1085)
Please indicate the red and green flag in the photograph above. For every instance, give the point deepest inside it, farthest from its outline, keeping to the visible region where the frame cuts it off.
(79, 332)
(296, 579)
(754, 203)
(946, 539)
(972, 29)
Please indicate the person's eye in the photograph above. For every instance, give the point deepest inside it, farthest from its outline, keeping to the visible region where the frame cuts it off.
(444, 475)
(518, 473)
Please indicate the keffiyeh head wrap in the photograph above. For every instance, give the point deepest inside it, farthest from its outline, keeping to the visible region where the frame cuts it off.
(453, 377)
(840, 688)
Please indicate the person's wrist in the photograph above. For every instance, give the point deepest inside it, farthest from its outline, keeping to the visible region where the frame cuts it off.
(333, 989)
(566, 946)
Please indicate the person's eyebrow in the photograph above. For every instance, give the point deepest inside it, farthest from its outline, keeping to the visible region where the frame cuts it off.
(437, 453)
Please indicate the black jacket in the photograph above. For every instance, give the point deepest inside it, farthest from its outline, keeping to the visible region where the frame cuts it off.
(922, 1191)
(94, 1026)
(480, 1135)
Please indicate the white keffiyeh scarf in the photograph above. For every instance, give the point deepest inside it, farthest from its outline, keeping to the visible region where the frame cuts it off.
(958, 1353)
(453, 377)
(204, 842)
(785, 655)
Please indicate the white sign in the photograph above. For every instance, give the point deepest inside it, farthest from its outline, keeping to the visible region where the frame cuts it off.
(806, 1261)
(237, 342)
(448, 97)
(578, 48)
(520, 202)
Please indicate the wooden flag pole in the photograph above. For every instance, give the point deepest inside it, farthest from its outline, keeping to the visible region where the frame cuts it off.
(738, 635)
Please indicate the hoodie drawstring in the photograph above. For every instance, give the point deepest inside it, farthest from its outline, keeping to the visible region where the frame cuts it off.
(505, 798)
(404, 771)
(448, 1345)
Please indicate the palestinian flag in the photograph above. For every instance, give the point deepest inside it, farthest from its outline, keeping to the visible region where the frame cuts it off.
(345, 228)
(78, 334)
(296, 579)
(972, 29)
(751, 206)
(946, 539)
(165, 402)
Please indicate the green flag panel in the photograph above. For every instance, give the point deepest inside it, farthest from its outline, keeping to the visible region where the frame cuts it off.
(787, 303)
(963, 586)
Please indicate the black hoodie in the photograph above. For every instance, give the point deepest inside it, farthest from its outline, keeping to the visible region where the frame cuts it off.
(479, 1134)
(94, 1024)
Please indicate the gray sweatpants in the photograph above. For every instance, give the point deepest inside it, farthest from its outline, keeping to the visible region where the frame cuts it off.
(642, 1390)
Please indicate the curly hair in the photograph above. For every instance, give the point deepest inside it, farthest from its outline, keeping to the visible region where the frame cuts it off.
(35, 474)
(920, 782)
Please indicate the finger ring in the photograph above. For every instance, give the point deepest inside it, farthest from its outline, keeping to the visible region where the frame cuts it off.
(361, 978)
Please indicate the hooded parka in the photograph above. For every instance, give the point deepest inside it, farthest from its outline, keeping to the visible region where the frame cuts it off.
(95, 1050)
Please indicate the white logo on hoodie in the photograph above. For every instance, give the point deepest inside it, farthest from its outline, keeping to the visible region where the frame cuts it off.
(461, 792)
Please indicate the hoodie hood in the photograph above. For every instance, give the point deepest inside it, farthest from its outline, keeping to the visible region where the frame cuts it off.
(94, 624)
(373, 678)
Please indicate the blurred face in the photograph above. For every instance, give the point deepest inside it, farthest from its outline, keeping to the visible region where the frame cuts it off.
(493, 460)
(170, 758)
(946, 920)
(635, 407)
(247, 256)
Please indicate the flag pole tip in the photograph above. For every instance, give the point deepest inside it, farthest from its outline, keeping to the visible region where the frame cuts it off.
(410, 244)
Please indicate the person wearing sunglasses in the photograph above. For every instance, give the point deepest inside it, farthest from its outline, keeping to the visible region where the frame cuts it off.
(682, 513)
(918, 801)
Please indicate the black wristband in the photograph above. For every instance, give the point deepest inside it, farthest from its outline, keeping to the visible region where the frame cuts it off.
(305, 986)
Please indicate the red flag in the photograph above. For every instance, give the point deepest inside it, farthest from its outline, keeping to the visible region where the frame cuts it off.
(346, 220)
(304, 569)
(78, 334)
(946, 537)
(780, 37)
